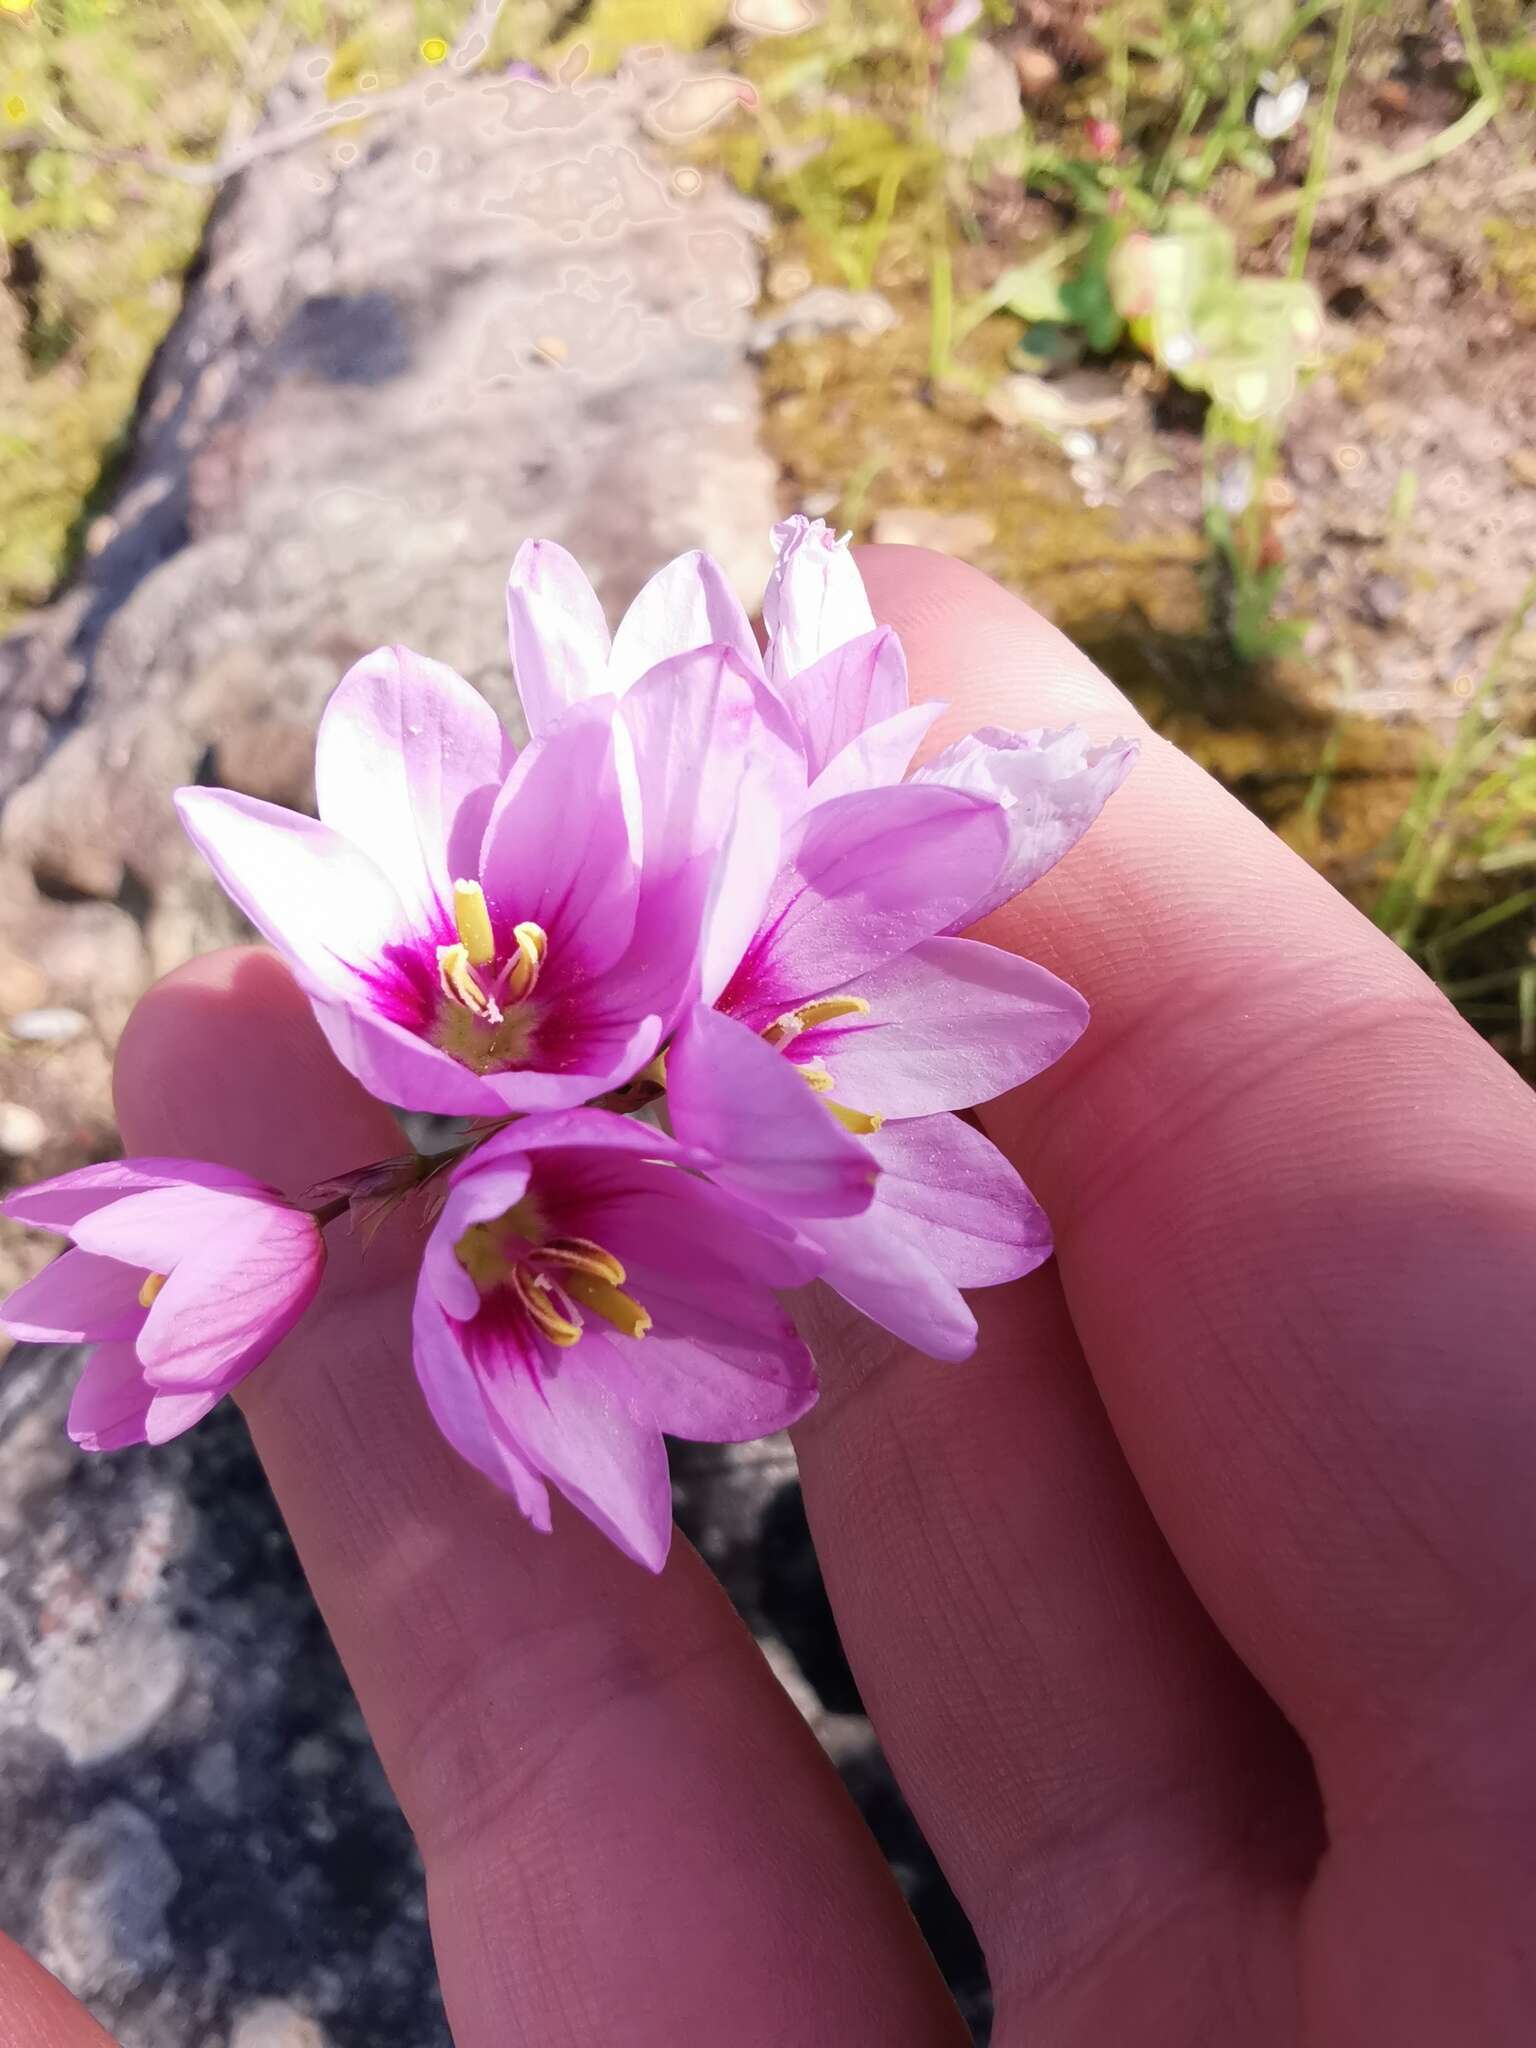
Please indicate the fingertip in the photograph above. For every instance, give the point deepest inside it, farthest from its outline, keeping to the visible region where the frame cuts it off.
(223, 1060)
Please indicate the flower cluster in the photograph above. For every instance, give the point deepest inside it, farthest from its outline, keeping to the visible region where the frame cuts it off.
(687, 966)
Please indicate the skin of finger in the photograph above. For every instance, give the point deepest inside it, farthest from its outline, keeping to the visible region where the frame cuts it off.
(1294, 1198)
(35, 2009)
(1112, 1796)
(628, 1831)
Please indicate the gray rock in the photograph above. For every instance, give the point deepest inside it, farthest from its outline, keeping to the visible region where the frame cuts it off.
(505, 316)
(104, 1903)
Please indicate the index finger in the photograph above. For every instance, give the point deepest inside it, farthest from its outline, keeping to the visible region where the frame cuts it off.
(1294, 1198)
(629, 1833)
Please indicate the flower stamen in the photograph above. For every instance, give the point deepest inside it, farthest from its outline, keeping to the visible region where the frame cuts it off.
(153, 1282)
(581, 1255)
(816, 1076)
(552, 1280)
(862, 1122)
(622, 1310)
(825, 1010)
(536, 1294)
(472, 921)
(460, 984)
(532, 942)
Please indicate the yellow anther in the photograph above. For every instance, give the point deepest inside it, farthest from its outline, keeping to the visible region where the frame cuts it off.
(153, 1282)
(456, 975)
(815, 1076)
(829, 1009)
(622, 1310)
(542, 1311)
(863, 1123)
(825, 1010)
(581, 1255)
(532, 944)
(473, 922)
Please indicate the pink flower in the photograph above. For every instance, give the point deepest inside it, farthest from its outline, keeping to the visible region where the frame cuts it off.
(480, 933)
(855, 980)
(582, 1292)
(1051, 786)
(855, 728)
(184, 1276)
(562, 653)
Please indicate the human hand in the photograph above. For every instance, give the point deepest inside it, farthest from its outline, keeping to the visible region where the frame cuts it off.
(1193, 1613)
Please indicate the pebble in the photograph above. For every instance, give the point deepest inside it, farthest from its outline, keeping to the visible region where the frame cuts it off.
(22, 1130)
(47, 1027)
(98, 1698)
(1382, 599)
(274, 2023)
(104, 1901)
(828, 309)
(1080, 400)
(1038, 70)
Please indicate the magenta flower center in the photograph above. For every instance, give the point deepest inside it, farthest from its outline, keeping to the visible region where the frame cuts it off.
(552, 1281)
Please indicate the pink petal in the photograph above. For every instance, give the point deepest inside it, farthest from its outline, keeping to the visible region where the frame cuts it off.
(949, 1191)
(484, 1185)
(950, 1024)
(737, 1099)
(558, 635)
(851, 688)
(690, 724)
(605, 1049)
(407, 763)
(397, 1066)
(878, 757)
(79, 1299)
(585, 1438)
(154, 1230)
(881, 1272)
(1052, 786)
(867, 876)
(557, 849)
(319, 900)
(114, 1405)
(722, 1361)
(815, 599)
(714, 1387)
(744, 872)
(171, 1415)
(687, 604)
(949, 1212)
(58, 1203)
(672, 1230)
(241, 1272)
(111, 1401)
(453, 1395)
(579, 1130)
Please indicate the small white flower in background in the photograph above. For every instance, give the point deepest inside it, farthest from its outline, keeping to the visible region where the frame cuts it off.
(955, 19)
(1278, 107)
